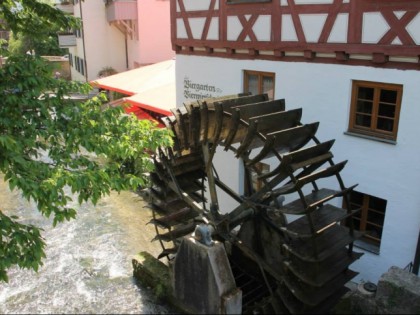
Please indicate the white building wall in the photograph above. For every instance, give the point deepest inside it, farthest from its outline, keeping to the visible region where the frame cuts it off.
(154, 31)
(76, 51)
(388, 171)
(133, 49)
(102, 44)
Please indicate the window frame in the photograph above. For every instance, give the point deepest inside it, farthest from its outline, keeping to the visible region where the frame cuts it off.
(260, 75)
(373, 131)
(367, 242)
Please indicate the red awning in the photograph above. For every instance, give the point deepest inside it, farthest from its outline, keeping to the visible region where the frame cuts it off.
(150, 87)
(160, 99)
(142, 114)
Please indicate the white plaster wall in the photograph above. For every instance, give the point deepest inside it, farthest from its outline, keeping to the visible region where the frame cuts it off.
(323, 91)
(133, 49)
(76, 51)
(154, 31)
(104, 44)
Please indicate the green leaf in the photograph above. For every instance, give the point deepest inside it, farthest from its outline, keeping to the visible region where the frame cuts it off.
(90, 149)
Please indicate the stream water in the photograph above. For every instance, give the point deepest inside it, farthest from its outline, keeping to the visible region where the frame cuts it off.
(88, 267)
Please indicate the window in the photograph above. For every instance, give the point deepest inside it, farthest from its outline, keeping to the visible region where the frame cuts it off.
(370, 219)
(79, 65)
(76, 60)
(78, 33)
(259, 82)
(375, 109)
(82, 66)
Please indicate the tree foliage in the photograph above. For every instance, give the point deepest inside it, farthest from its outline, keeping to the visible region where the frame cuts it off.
(32, 16)
(44, 44)
(50, 144)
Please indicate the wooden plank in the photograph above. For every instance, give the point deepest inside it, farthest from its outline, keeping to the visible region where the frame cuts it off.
(294, 138)
(179, 231)
(167, 252)
(185, 168)
(297, 207)
(297, 307)
(169, 122)
(322, 218)
(278, 121)
(293, 305)
(166, 208)
(221, 120)
(154, 177)
(327, 244)
(260, 108)
(246, 112)
(327, 172)
(211, 100)
(308, 152)
(309, 166)
(314, 296)
(229, 103)
(184, 160)
(164, 197)
(302, 158)
(318, 274)
(234, 126)
(218, 118)
(269, 123)
(285, 141)
(182, 127)
(190, 186)
(194, 127)
(176, 217)
(247, 139)
(318, 160)
(204, 125)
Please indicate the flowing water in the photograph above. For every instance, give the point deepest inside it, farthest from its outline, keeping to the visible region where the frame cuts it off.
(88, 266)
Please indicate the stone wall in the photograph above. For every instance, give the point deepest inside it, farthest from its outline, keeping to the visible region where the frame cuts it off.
(397, 292)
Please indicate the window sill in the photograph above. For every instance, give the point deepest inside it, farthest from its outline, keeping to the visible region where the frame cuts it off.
(366, 246)
(359, 135)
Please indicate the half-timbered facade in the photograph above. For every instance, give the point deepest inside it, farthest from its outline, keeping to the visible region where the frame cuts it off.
(353, 65)
(384, 33)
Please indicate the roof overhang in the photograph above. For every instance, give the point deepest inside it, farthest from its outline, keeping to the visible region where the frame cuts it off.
(160, 99)
(150, 87)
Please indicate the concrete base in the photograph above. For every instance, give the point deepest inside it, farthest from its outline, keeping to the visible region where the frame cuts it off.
(204, 284)
(203, 280)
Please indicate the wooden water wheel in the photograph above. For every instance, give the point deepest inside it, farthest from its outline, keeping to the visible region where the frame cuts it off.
(287, 257)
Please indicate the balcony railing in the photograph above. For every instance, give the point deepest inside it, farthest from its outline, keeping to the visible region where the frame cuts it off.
(121, 10)
(66, 40)
(65, 6)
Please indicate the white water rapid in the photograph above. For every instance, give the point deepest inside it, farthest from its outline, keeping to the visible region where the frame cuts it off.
(88, 266)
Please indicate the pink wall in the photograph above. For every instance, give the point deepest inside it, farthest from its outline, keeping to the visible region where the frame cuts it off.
(154, 31)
